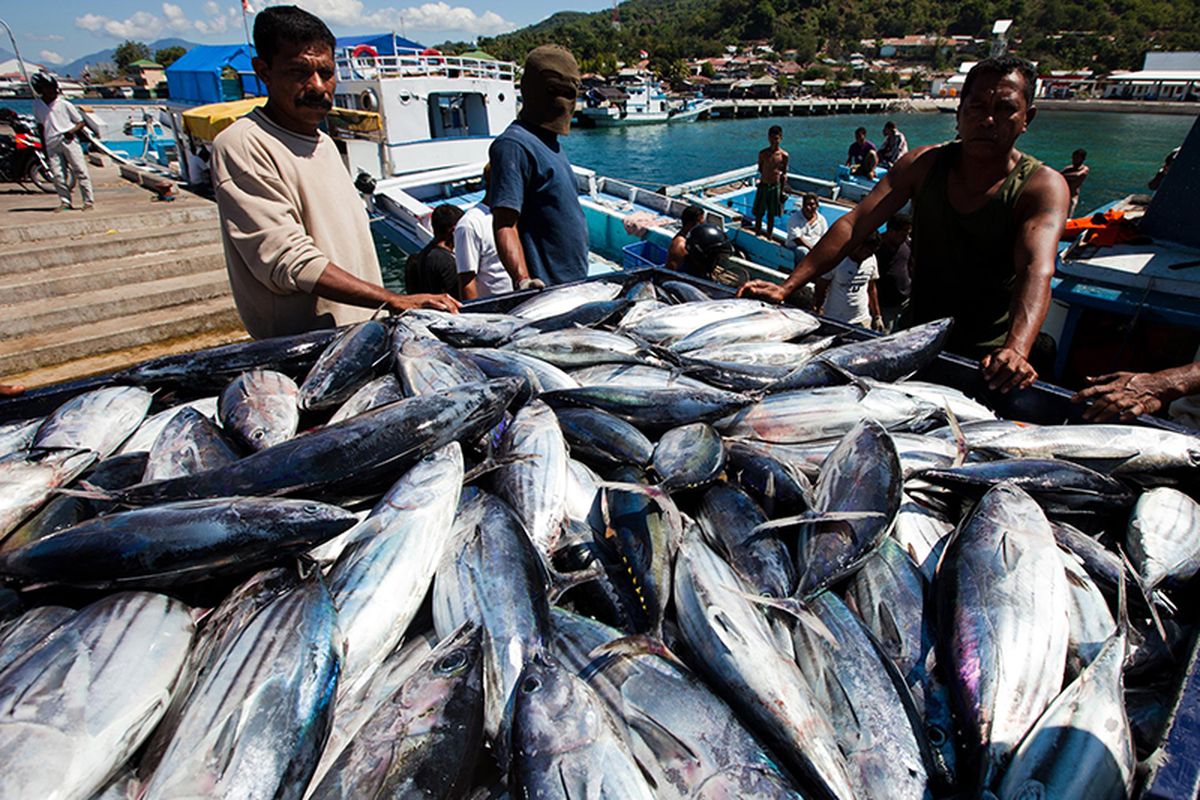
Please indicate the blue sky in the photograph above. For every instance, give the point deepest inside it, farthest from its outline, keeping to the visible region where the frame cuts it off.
(77, 27)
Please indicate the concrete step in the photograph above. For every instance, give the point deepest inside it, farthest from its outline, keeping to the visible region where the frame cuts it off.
(120, 359)
(40, 284)
(85, 308)
(104, 247)
(21, 354)
(74, 225)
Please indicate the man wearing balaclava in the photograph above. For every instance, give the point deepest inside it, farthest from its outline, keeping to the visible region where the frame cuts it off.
(541, 233)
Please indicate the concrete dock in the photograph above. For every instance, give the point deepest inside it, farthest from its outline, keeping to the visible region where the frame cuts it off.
(82, 293)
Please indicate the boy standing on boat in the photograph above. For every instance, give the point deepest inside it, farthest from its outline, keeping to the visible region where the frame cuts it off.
(297, 243)
(986, 222)
(772, 173)
(541, 232)
(1075, 174)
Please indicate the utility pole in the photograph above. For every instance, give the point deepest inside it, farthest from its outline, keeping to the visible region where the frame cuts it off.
(16, 51)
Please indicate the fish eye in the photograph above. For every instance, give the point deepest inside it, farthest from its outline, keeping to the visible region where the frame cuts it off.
(531, 684)
(937, 737)
(452, 662)
(311, 508)
(258, 434)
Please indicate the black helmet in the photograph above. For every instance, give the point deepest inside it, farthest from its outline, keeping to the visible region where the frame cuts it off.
(41, 81)
(706, 243)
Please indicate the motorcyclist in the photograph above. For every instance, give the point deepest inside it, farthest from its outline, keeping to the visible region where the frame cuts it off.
(705, 246)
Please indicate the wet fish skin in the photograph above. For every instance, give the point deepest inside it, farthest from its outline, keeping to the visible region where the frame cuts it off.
(681, 733)
(812, 415)
(142, 439)
(873, 715)
(424, 739)
(80, 704)
(176, 543)
(26, 631)
(257, 721)
(642, 376)
(581, 347)
(1091, 622)
(379, 392)
(861, 476)
(189, 443)
(651, 408)
(99, 420)
(535, 485)
(1002, 606)
(763, 325)
(689, 457)
(587, 315)
(884, 358)
(26, 483)
(1164, 536)
(565, 746)
(728, 517)
(351, 458)
(18, 435)
(561, 299)
(541, 376)
(602, 439)
(1082, 746)
(213, 368)
(428, 365)
(666, 324)
(349, 361)
(781, 490)
(774, 354)
(683, 292)
(740, 655)
(922, 533)
(384, 572)
(1132, 450)
(468, 328)
(261, 408)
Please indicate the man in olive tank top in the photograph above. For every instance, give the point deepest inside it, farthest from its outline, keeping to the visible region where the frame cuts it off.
(986, 222)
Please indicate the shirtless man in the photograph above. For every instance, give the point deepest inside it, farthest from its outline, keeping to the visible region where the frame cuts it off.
(986, 223)
(1075, 174)
(772, 172)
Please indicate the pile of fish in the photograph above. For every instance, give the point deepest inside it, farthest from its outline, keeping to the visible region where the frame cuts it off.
(625, 541)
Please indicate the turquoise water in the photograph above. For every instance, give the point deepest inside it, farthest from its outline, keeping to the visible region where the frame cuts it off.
(1124, 150)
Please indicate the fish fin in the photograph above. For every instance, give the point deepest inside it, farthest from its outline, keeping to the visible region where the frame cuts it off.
(862, 383)
(493, 463)
(87, 491)
(1145, 591)
(960, 440)
(636, 645)
(563, 582)
(661, 740)
(797, 610)
(811, 518)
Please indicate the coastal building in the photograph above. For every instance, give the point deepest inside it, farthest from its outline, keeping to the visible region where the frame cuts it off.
(146, 76)
(1163, 76)
(1066, 83)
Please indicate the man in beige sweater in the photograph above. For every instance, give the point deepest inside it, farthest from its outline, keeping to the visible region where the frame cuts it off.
(297, 242)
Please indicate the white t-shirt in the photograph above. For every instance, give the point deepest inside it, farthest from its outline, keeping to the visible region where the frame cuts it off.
(846, 300)
(57, 118)
(475, 251)
(800, 231)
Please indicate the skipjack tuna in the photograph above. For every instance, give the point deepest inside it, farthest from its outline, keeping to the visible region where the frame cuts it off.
(672, 547)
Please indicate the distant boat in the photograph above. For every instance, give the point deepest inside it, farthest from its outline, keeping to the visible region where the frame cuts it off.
(644, 104)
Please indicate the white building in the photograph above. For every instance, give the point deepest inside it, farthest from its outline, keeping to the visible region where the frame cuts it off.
(1163, 76)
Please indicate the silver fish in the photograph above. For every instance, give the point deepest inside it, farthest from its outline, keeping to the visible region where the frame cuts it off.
(922, 533)
(689, 457)
(379, 392)
(642, 376)
(775, 324)
(542, 376)
(1002, 593)
(98, 420)
(674, 322)
(143, 438)
(469, 328)
(535, 482)
(1091, 621)
(261, 408)
(1164, 536)
(256, 723)
(581, 347)
(1081, 748)
(561, 299)
(189, 443)
(1115, 449)
(427, 365)
(349, 361)
(811, 415)
(26, 484)
(728, 518)
(424, 738)
(565, 745)
(28, 630)
(15, 436)
(774, 354)
(75, 708)
(738, 650)
(384, 573)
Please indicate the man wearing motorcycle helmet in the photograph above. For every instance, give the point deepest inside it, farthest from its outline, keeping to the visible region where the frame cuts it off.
(60, 122)
(705, 245)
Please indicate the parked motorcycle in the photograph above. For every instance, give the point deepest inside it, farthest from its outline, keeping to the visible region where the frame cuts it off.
(22, 157)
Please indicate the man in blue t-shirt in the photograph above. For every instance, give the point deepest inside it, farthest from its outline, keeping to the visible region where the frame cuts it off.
(541, 233)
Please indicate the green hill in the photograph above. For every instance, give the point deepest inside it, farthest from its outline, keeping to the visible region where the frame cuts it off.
(1061, 34)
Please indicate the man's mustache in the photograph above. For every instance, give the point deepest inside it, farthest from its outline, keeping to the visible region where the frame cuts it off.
(315, 101)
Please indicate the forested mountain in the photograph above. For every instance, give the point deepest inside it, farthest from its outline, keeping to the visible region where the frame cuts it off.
(1097, 34)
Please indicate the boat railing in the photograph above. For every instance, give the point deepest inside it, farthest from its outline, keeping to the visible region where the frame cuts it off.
(421, 65)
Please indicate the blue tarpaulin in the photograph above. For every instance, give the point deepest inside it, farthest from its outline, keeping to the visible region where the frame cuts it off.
(196, 76)
(385, 44)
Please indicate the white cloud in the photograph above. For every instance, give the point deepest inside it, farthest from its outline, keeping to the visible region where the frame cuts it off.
(45, 37)
(145, 25)
(51, 57)
(439, 16)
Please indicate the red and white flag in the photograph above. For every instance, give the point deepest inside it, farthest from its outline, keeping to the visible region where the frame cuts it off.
(246, 7)
(641, 53)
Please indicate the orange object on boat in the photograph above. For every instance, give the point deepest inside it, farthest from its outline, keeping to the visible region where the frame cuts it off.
(1102, 229)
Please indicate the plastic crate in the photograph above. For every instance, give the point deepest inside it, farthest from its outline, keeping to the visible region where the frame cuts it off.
(644, 254)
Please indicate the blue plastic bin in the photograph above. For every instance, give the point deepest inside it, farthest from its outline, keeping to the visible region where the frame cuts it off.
(641, 255)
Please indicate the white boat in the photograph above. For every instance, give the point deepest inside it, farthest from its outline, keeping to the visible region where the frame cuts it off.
(691, 110)
(642, 104)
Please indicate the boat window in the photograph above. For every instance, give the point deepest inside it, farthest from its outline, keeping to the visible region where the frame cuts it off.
(457, 114)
